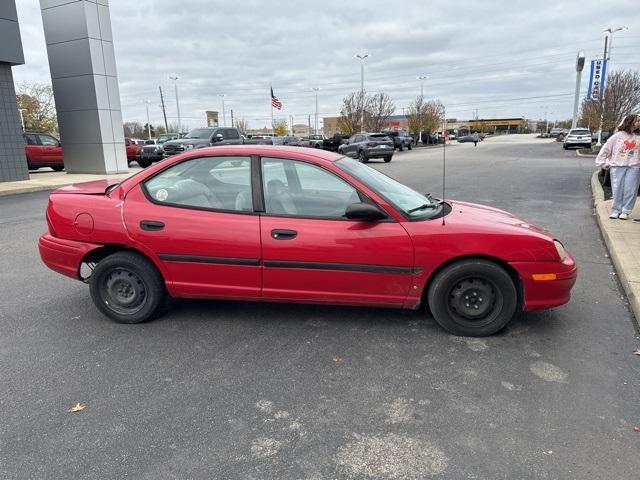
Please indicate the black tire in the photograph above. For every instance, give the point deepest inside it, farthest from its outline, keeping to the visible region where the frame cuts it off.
(362, 157)
(57, 168)
(127, 288)
(144, 163)
(31, 166)
(388, 158)
(401, 148)
(409, 147)
(472, 298)
(565, 147)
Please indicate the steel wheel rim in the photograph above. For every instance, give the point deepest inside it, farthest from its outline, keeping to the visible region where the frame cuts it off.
(123, 291)
(473, 300)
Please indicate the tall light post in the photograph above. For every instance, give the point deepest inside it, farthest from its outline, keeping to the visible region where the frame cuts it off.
(147, 102)
(224, 115)
(362, 58)
(316, 89)
(175, 87)
(606, 58)
(579, 66)
(422, 78)
(21, 118)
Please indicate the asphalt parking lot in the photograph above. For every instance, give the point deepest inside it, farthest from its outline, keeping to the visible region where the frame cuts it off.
(278, 391)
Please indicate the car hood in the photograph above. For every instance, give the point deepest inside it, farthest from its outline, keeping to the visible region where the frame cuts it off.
(491, 218)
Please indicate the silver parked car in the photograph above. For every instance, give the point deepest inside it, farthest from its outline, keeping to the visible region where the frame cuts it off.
(577, 137)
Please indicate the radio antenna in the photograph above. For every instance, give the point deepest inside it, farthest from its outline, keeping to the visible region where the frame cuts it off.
(444, 155)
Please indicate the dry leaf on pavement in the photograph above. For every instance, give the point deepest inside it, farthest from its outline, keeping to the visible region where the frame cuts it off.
(78, 407)
(637, 352)
(337, 360)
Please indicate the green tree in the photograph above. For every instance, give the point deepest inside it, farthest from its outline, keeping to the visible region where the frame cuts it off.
(37, 104)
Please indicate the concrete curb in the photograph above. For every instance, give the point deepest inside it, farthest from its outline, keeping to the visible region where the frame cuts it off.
(619, 237)
(31, 189)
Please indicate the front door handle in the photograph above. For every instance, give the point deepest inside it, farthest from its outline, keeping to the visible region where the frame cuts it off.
(151, 225)
(282, 234)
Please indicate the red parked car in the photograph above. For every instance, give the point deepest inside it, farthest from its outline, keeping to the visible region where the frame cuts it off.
(285, 224)
(133, 146)
(42, 150)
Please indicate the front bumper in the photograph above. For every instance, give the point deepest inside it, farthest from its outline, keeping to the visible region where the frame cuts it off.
(64, 256)
(543, 294)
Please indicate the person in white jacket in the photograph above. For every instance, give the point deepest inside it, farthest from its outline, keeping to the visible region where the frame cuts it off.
(620, 155)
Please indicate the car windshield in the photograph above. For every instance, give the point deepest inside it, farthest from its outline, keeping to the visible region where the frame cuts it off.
(162, 139)
(200, 133)
(579, 132)
(410, 202)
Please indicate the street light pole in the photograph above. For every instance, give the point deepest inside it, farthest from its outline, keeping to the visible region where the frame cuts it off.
(21, 118)
(224, 115)
(175, 87)
(579, 66)
(422, 78)
(316, 89)
(362, 57)
(606, 58)
(148, 124)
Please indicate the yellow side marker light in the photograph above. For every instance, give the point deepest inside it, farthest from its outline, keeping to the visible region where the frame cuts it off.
(544, 276)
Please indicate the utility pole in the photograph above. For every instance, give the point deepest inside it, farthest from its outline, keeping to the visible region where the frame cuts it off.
(315, 89)
(232, 118)
(422, 78)
(164, 111)
(291, 122)
(309, 122)
(175, 87)
(579, 66)
(21, 118)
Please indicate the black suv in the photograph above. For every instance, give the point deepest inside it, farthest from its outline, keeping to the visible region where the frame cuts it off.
(365, 146)
(201, 138)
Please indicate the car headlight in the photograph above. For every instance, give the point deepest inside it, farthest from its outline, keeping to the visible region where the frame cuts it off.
(189, 147)
(560, 249)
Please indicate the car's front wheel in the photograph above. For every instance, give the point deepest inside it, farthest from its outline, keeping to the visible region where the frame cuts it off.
(409, 147)
(144, 163)
(473, 298)
(388, 158)
(57, 168)
(127, 288)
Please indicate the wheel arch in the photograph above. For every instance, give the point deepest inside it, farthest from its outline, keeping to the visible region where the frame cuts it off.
(98, 254)
(513, 274)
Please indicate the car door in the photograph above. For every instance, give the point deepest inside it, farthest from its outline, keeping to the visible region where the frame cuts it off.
(349, 148)
(33, 149)
(52, 151)
(197, 218)
(312, 252)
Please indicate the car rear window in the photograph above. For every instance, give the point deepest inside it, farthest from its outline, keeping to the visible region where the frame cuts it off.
(379, 136)
(579, 132)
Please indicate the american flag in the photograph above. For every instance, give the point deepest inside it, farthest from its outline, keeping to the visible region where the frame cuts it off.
(275, 102)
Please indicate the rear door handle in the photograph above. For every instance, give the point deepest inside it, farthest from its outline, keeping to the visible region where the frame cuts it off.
(283, 234)
(151, 225)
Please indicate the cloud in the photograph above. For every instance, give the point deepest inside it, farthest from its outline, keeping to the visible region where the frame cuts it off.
(489, 56)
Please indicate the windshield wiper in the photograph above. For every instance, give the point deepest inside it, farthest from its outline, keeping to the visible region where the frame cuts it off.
(425, 206)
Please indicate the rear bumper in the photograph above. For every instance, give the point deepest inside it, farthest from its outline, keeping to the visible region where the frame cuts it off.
(543, 294)
(379, 152)
(64, 256)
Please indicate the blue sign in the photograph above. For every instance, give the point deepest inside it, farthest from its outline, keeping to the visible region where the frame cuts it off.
(596, 79)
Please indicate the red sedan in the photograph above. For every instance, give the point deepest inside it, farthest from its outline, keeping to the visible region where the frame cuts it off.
(269, 223)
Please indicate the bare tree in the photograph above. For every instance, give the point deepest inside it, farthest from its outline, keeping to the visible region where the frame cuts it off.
(351, 112)
(379, 108)
(38, 107)
(425, 116)
(621, 98)
(133, 130)
(242, 125)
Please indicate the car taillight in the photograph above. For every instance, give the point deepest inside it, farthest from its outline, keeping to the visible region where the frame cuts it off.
(371, 144)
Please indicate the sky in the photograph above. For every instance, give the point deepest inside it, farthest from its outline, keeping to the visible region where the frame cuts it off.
(503, 59)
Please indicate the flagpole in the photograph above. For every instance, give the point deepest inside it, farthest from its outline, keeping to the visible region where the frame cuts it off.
(271, 103)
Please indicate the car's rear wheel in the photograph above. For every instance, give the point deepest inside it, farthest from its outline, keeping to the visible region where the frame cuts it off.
(409, 147)
(388, 158)
(144, 163)
(363, 157)
(58, 168)
(127, 288)
(473, 298)
(401, 148)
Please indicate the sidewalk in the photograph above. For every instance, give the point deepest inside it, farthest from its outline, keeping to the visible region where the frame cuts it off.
(48, 180)
(622, 238)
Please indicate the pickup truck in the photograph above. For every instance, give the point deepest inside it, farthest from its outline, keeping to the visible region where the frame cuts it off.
(333, 144)
(153, 152)
(201, 138)
(313, 141)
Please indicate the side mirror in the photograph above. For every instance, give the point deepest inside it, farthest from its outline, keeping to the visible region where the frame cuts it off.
(364, 212)
(218, 137)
